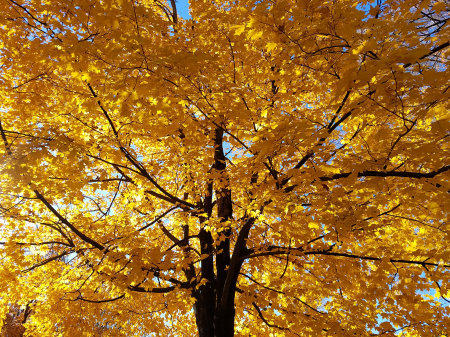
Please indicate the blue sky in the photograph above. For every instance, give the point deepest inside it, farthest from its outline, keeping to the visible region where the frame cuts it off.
(183, 8)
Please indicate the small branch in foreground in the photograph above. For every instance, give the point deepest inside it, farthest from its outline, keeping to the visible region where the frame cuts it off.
(265, 321)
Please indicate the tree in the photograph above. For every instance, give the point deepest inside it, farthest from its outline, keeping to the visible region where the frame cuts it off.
(14, 321)
(262, 168)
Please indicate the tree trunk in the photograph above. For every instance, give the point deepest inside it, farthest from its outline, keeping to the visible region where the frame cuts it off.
(224, 322)
(215, 314)
(204, 311)
(213, 322)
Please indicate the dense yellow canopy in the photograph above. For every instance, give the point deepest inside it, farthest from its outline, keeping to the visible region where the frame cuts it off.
(264, 168)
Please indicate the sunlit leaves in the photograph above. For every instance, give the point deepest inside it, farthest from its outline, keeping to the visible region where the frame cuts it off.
(334, 127)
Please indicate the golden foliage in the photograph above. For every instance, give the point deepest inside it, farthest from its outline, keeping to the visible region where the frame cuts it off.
(277, 168)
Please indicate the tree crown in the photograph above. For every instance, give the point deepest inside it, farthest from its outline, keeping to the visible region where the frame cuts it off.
(261, 168)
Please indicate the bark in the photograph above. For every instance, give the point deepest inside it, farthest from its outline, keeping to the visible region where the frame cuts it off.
(204, 311)
(215, 317)
(224, 312)
(224, 212)
(224, 322)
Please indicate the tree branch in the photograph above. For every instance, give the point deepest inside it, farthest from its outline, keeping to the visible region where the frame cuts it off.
(50, 259)
(236, 261)
(5, 141)
(142, 171)
(265, 321)
(432, 51)
(285, 250)
(162, 290)
(401, 174)
(159, 217)
(283, 293)
(99, 301)
(111, 124)
(174, 12)
(67, 223)
(330, 128)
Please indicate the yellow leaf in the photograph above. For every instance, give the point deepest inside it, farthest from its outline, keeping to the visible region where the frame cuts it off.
(238, 29)
(313, 225)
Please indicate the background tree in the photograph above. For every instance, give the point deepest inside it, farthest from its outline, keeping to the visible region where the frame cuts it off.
(13, 322)
(263, 168)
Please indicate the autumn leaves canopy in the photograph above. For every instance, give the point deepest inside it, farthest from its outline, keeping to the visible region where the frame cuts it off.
(261, 168)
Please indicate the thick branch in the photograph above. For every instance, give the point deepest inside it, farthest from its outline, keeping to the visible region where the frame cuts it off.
(167, 233)
(274, 250)
(236, 262)
(174, 11)
(224, 212)
(401, 174)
